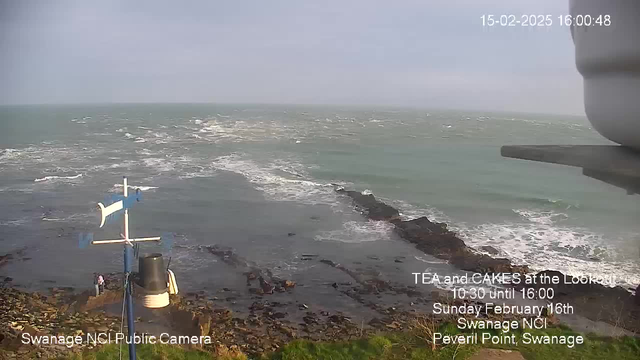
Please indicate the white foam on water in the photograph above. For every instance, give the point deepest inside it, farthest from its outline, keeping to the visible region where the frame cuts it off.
(437, 261)
(7, 154)
(358, 231)
(220, 132)
(546, 246)
(127, 164)
(541, 217)
(542, 243)
(17, 222)
(161, 165)
(140, 140)
(58, 178)
(128, 136)
(118, 187)
(410, 212)
(122, 129)
(197, 171)
(276, 187)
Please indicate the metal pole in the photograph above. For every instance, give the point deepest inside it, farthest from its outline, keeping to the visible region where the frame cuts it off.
(127, 272)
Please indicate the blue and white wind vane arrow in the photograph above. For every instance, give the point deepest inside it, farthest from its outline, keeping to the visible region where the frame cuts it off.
(111, 209)
(116, 203)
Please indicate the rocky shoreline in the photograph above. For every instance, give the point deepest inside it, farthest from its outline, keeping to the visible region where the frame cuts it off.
(273, 311)
(613, 305)
(266, 327)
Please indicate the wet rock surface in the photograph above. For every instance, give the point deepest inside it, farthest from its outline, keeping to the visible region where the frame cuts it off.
(370, 206)
(15, 255)
(36, 314)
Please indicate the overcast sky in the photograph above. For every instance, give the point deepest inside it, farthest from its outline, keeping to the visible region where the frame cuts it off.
(417, 53)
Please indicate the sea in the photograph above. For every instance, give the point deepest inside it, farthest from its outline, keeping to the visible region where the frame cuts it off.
(260, 180)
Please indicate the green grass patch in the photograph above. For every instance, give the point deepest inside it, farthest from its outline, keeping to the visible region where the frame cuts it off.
(413, 346)
(372, 348)
(397, 346)
(148, 352)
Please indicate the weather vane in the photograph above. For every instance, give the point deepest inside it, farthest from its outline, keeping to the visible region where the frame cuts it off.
(118, 205)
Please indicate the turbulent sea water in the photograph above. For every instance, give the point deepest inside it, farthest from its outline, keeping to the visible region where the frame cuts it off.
(245, 176)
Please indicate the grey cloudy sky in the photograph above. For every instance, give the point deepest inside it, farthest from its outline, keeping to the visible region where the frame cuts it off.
(406, 52)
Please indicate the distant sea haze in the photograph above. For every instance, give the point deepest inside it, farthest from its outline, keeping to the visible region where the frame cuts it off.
(246, 176)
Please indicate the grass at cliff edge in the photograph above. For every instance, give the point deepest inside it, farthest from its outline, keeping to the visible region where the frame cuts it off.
(393, 346)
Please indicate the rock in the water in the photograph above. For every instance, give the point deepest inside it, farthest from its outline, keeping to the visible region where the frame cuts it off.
(374, 209)
(490, 249)
(266, 287)
(432, 238)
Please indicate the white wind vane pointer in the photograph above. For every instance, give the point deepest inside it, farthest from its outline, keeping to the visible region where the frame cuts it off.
(122, 203)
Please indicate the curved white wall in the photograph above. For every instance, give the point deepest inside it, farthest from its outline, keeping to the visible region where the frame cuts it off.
(609, 60)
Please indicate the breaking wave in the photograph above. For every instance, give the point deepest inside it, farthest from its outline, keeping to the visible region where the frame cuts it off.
(9, 154)
(545, 246)
(55, 177)
(541, 217)
(272, 180)
(133, 187)
(358, 231)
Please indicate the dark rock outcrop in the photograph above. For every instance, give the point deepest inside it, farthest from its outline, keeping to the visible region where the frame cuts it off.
(490, 249)
(17, 254)
(432, 238)
(267, 280)
(267, 288)
(371, 207)
(437, 240)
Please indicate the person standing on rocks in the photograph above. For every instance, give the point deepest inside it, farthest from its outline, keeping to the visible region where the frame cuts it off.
(100, 283)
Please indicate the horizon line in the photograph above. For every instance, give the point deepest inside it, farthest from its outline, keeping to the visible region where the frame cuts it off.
(376, 106)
